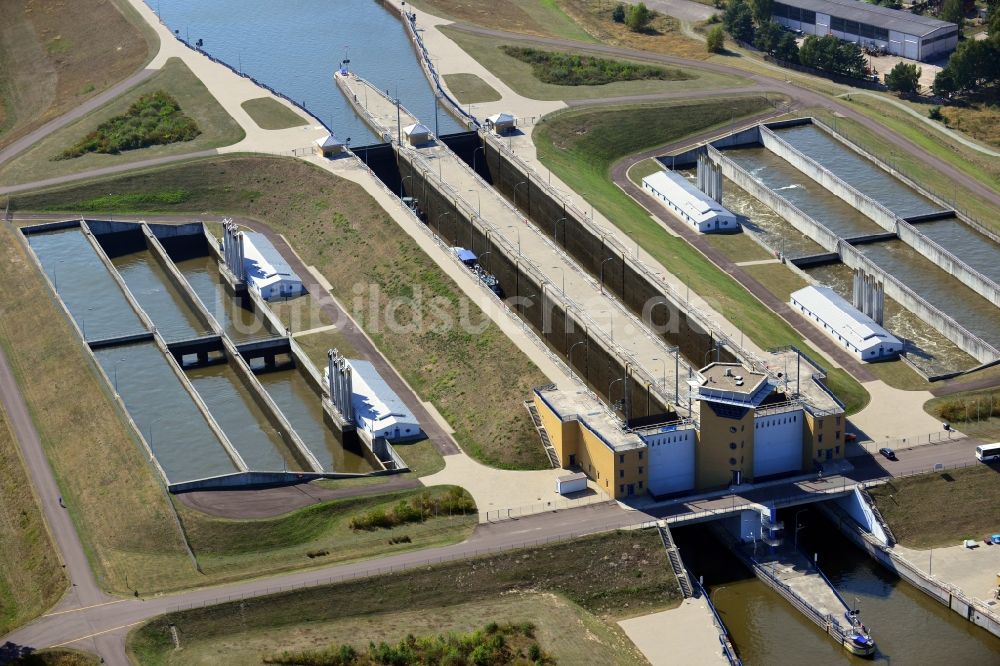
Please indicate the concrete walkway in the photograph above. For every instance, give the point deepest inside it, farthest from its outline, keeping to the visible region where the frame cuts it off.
(677, 637)
(972, 570)
(893, 414)
(498, 491)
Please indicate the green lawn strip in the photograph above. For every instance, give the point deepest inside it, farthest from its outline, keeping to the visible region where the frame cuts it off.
(270, 114)
(740, 247)
(118, 504)
(898, 374)
(942, 508)
(316, 535)
(580, 145)
(217, 129)
(640, 170)
(302, 313)
(470, 89)
(612, 575)
(913, 166)
(541, 17)
(521, 77)
(31, 579)
(476, 380)
(779, 279)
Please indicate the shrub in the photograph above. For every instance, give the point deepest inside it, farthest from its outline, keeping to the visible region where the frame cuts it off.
(638, 17)
(903, 77)
(618, 14)
(935, 114)
(567, 69)
(455, 502)
(154, 119)
(715, 41)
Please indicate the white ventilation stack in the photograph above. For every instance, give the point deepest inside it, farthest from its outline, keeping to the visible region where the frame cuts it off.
(869, 295)
(232, 249)
(339, 376)
(709, 177)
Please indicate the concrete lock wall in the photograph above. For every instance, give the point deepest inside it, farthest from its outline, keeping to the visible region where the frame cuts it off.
(686, 159)
(176, 279)
(590, 250)
(526, 296)
(965, 339)
(885, 218)
(804, 223)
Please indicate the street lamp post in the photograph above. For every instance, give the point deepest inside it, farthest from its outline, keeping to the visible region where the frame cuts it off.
(401, 185)
(602, 271)
(555, 231)
(117, 363)
(798, 527)
(474, 156)
(563, 271)
(569, 356)
(479, 203)
(523, 182)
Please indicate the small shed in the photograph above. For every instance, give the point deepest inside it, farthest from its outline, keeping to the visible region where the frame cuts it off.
(501, 123)
(571, 483)
(417, 134)
(329, 146)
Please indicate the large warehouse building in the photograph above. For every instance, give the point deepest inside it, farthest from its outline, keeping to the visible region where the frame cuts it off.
(855, 331)
(900, 33)
(689, 203)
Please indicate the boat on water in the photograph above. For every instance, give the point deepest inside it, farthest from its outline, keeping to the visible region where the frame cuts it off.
(857, 640)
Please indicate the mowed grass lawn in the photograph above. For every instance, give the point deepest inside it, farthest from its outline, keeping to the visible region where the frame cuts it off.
(536, 17)
(520, 76)
(270, 114)
(476, 380)
(572, 590)
(217, 129)
(317, 535)
(943, 508)
(31, 578)
(119, 506)
(470, 89)
(51, 62)
(581, 145)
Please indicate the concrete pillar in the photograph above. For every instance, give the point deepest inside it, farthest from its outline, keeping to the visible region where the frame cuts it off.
(717, 171)
(349, 391)
(203, 358)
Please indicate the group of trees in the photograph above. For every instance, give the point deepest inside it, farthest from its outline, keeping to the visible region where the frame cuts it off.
(749, 21)
(975, 64)
(636, 17)
(833, 55)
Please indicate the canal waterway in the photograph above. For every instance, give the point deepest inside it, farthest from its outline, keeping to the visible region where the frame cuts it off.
(241, 324)
(975, 249)
(158, 297)
(303, 407)
(165, 413)
(927, 348)
(908, 626)
(85, 285)
(296, 47)
(241, 419)
(806, 194)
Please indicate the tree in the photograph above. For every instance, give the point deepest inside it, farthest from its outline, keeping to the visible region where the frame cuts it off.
(974, 64)
(832, 55)
(788, 49)
(904, 77)
(768, 36)
(952, 12)
(738, 20)
(761, 10)
(716, 40)
(944, 83)
(618, 14)
(638, 18)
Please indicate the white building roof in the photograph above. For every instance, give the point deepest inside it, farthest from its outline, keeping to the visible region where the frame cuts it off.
(329, 141)
(376, 406)
(416, 128)
(501, 118)
(686, 196)
(264, 264)
(857, 328)
(882, 17)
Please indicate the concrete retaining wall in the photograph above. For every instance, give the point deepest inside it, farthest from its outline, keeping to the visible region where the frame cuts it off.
(688, 158)
(177, 280)
(884, 217)
(49, 226)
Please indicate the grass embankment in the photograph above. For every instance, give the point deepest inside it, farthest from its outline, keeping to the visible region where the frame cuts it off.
(322, 534)
(118, 504)
(495, 644)
(662, 35)
(567, 69)
(57, 657)
(984, 168)
(270, 114)
(476, 380)
(534, 17)
(31, 579)
(50, 60)
(155, 119)
(572, 591)
(976, 413)
(980, 121)
(581, 145)
(217, 129)
(943, 508)
(521, 77)
(470, 89)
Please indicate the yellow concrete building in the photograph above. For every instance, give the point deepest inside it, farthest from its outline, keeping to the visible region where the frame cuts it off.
(748, 425)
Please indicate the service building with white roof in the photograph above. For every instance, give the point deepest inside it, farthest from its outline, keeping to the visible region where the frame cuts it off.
(692, 205)
(267, 272)
(856, 331)
(377, 408)
(899, 33)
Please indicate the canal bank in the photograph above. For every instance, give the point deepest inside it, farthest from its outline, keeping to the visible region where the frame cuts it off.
(909, 627)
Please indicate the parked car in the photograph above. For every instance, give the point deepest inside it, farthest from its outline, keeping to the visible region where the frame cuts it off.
(888, 453)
